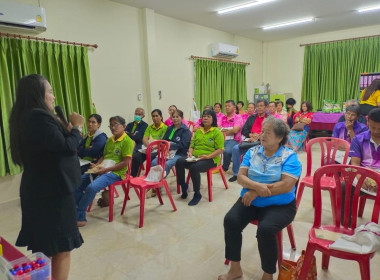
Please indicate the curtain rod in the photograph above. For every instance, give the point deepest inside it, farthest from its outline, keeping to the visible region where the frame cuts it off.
(218, 59)
(2, 34)
(355, 38)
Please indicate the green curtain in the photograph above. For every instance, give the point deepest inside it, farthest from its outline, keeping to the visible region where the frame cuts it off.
(217, 81)
(332, 70)
(65, 66)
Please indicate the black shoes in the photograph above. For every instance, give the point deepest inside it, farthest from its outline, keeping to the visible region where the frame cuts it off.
(232, 179)
(197, 197)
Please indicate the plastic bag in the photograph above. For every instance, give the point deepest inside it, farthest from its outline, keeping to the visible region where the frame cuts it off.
(195, 114)
(155, 174)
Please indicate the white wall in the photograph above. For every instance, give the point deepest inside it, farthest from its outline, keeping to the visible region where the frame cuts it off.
(283, 60)
(139, 52)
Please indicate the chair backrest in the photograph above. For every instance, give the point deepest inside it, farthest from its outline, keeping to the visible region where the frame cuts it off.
(128, 172)
(347, 174)
(329, 146)
(162, 147)
(191, 125)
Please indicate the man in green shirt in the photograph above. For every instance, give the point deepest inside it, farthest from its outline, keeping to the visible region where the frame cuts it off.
(119, 149)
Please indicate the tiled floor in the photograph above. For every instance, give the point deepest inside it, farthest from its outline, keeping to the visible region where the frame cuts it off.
(186, 244)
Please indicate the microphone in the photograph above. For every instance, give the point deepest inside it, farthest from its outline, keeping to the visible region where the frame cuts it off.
(60, 114)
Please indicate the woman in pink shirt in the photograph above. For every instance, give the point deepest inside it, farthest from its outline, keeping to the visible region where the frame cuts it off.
(218, 113)
(250, 112)
(168, 121)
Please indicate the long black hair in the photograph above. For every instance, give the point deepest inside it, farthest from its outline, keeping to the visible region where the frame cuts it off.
(374, 86)
(213, 115)
(30, 94)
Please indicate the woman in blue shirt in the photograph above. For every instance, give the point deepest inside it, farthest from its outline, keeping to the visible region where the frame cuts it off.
(268, 175)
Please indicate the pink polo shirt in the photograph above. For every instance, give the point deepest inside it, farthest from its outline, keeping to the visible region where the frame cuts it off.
(235, 120)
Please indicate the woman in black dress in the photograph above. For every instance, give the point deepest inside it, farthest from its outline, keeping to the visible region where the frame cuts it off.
(46, 148)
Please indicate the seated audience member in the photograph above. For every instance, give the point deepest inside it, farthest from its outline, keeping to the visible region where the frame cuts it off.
(280, 110)
(231, 127)
(361, 118)
(119, 148)
(240, 107)
(290, 102)
(250, 112)
(207, 145)
(168, 122)
(218, 113)
(350, 127)
(179, 137)
(272, 110)
(92, 145)
(251, 132)
(199, 122)
(136, 129)
(370, 97)
(297, 137)
(156, 131)
(268, 175)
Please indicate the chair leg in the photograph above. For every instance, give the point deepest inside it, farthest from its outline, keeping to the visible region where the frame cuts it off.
(174, 173)
(365, 269)
(158, 193)
(306, 263)
(292, 240)
(227, 262)
(362, 201)
(142, 206)
(325, 261)
(126, 196)
(223, 177)
(112, 193)
(89, 207)
(209, 185)
(116, 193)
(170, 195)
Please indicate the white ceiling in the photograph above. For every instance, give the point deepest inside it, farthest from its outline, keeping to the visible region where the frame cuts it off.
(330, 15)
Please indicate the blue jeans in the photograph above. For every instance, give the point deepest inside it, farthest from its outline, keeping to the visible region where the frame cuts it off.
(227, 153)
(236, 155)
(169, 163)
(85, 194)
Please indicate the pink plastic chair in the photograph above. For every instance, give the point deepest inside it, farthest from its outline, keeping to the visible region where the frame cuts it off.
(141, 186)
(329, 146)
(340, 173)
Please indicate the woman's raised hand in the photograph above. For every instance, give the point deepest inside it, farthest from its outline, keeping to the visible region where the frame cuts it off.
(76, 119)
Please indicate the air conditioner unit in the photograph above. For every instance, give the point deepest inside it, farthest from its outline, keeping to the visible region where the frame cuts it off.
(22, 17)
(221, 50)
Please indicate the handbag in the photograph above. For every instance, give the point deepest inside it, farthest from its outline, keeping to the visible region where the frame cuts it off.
(298, 126)
(244, 145)
(195, 114)
(290, 270)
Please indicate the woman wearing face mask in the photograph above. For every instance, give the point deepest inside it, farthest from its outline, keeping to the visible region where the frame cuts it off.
(169, 120)
(92, 145)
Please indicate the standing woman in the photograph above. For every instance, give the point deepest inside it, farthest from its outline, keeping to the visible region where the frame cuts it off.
(370, 97)
(47, 150)
(305, 116)
(92, 145)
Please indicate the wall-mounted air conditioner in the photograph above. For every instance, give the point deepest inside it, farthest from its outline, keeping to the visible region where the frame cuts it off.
(221, 50)
(22, 17)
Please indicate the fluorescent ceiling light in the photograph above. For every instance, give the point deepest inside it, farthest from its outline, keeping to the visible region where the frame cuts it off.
(368, 9)
(243, 6)
(288, 23)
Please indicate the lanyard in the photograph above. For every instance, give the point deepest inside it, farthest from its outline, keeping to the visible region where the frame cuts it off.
(171, 134)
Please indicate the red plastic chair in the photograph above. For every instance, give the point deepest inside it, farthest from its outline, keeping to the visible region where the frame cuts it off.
(329, 146)
(340, 173)
(191, 125)
(289, 228)
(141, 186)
(113, 192)
(362, 201)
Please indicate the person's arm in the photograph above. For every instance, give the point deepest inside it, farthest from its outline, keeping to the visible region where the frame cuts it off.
(190, 152)
(46, 132)
(247, 126)
(183, 143)
(212, 155)
(260, 188)
(285, 185)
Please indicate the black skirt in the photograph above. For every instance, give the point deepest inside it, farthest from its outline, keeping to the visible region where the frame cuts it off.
(49, 224)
